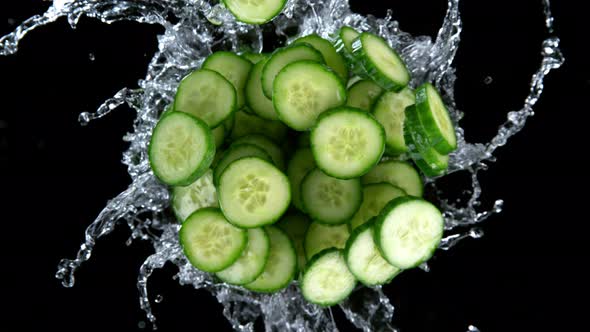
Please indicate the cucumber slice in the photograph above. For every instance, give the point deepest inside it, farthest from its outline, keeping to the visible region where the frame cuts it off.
(300, 164)
(364, 259)
(295, 225)
(332, 58)
(281, 265)
(329, 200)
(399, 173)
(235, 152)
(197, 195)
(218, 135)
(327, 280)
(253, 192)
(435, 118)
(375, 197)
(319, 237)
(255, 12)
(282, 57)
(363, 94)
(408, 230)
(234, 68)
(347, 142)
(266, 144)
(389, 110)
(210, 242)
(251, 262)
(207, 95)
(254, 57)
(255, 98)
(430, 162)
(305, 89)
(380, 62)
(343, 44)
(246, 124)
(181, 149)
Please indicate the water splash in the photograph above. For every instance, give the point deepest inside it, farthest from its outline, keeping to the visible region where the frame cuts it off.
(193, 29)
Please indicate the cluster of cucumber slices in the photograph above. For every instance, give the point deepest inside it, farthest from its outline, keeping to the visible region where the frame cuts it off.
(301, 188)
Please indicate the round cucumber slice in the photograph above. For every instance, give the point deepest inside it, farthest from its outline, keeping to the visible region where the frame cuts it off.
(255, 11)
(253, 192)
(266, 144)
(343, 44)
(254, 57)
(333, 59)
(251, 262)
(364, 259)
(435, 118)
(399, 173)
(375, 197)
(234, 68)
(255, 98)
(235, 152)
(327, 280)
(329, 200)
(210, 242)
(363, 94)
(347, 142)
(300, 164)
(246, 124)
(295, 225)
(389, 110)
(181, 149)
(281, 264)
(320, 236)
(197, 195)
(305, 89)
(207, 95)
(408, 230)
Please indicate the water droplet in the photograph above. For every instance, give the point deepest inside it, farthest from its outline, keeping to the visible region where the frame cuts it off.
(488, 80)
(472, 328)
(91, 56)
(11, 21)
(159, 298)
(424, 266)
(476, 232)
(141, 324)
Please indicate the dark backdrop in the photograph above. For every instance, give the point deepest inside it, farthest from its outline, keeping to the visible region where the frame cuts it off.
(526, 274)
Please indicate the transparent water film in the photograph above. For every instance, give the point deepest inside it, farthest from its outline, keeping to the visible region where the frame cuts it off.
(192, 29)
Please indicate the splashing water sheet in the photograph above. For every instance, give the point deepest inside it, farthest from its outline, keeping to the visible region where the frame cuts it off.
(193, 29)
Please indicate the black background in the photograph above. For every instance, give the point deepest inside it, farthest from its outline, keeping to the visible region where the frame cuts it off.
(526, 274)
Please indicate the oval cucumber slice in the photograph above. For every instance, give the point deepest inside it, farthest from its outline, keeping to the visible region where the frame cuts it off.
(252, 192)
(343, 44)
(347, 142)
(255, 98)
(330, 200)
(197, 195)
(389, 110)
(399, 173)
(210, 242)
(234, 68)
(255, 12)
(320, 236)
(266, 144)
(251, 262)
(281, 265)
(333, 59)
(181, 149)
(375, 197)
(435, 118)
(364, 259)
(295, 225)
(254, 57)
(327, 280)
(303, 90)
(207, 95)
(235, 152)
(363, 94)
(245, 124)
(408, 230)
(300, 164)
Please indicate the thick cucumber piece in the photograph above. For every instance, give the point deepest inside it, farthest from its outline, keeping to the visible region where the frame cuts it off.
(233, 67)
(254, 57)
(255, 98)
(332, 58)
(380, 62)
(282, 57)
(305, 89)
(327, 280)
(245, 124)
(399, 173)
(253, 192)
(295, 225)
(210, 242)
(375, 197)
(207, 95)
(363, 94)
(235, 152)
(389, 110)
(347, 142)
(197, 195)
(430, 161)
(266, 144)
(408, 230)
(329, 200)
(281, 264)
(255, 12)
(181, 148)
(343, 44)
(251, 262)
(435, 118)
(300, 164)
(319, 237)
(364, 259)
